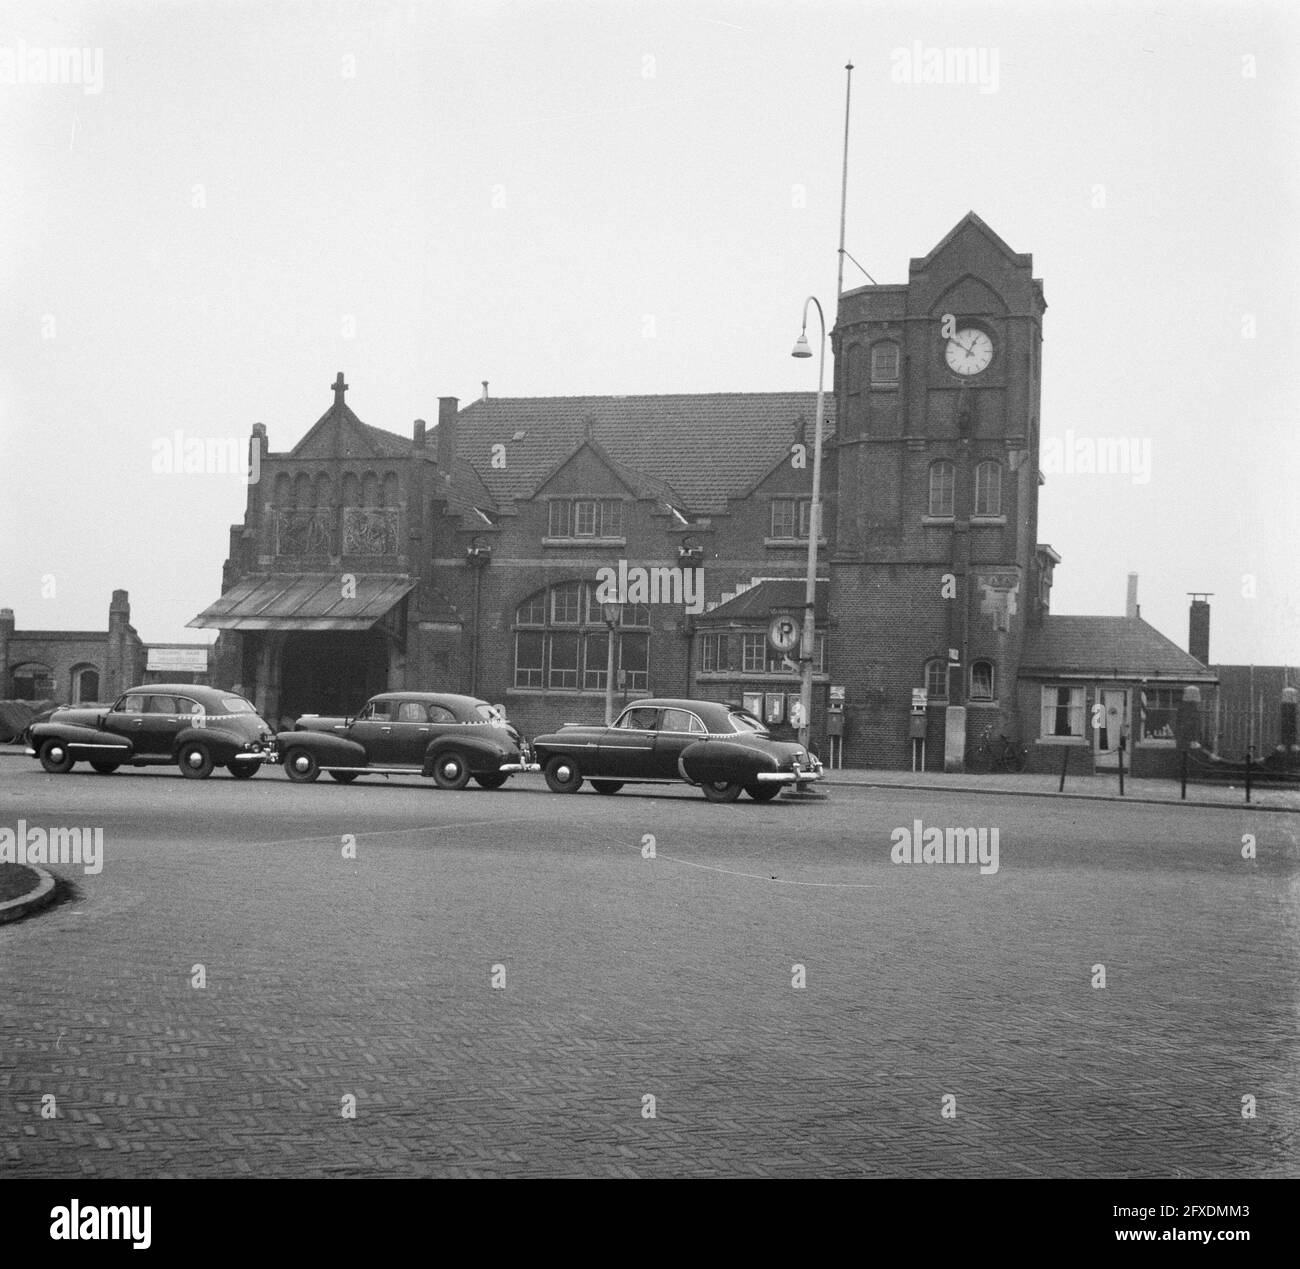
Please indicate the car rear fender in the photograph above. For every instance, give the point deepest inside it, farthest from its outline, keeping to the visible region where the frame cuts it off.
(222, 743)
(484, 753)
(327, 749)
(710, 760)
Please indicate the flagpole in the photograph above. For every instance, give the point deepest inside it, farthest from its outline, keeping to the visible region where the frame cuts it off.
(844, 183)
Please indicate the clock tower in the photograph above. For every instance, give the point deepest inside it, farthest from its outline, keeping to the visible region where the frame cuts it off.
(937, 385)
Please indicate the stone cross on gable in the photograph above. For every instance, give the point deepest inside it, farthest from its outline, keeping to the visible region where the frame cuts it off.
(339, 389)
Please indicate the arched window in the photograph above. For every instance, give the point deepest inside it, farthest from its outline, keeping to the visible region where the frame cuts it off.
(884, 362)
(370, 490)
(302, 491)
(562, 641)
(390, 492)
(323, 489)
(283, 490)
(942, 479)
(988, 489)
(936, 679)
(32, 681)
(85, 684)
(981, 681)
(351, 489)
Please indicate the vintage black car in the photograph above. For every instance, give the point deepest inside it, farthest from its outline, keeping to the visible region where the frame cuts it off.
(157, 724)
(438, 734)
(722, 748)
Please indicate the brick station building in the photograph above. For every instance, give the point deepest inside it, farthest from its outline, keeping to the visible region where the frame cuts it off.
(468, 555)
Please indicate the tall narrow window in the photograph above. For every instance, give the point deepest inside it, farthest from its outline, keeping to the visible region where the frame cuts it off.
(942, 479)
(561, 523)
(988, 489)
(981, 681)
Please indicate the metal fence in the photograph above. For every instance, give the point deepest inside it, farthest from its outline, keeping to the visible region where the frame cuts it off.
(1230, 729)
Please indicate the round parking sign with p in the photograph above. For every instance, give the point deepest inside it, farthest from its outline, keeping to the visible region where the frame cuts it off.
(783, 632)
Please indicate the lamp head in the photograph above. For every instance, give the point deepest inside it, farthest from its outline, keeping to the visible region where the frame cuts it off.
(801, 348)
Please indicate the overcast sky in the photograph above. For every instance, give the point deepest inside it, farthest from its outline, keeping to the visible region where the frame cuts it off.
(562, 198)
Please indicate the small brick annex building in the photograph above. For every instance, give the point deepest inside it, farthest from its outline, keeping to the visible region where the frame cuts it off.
(471, 555)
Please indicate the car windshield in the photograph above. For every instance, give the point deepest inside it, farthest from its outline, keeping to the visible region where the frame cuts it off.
(237, 705)
(743, 720)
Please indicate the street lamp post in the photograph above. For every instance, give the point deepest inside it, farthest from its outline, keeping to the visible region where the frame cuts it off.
(612, 613)
(808, 642)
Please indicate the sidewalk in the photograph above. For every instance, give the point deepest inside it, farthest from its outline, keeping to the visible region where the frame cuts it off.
(1103, 788)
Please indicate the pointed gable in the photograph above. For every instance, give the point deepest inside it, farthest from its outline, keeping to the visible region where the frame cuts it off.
(338, 433)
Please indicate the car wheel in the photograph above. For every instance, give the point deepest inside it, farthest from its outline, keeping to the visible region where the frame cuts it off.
(721, 791)
(562, 775)
(451, 770)
(195, 761)
(762, 792)
(104, 768)
(493, 780)
(343, 777)
(301, 767)
(243, 770)
(56, 757)
(607, 786)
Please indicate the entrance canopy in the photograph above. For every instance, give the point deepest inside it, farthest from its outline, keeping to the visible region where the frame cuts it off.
(305, 601)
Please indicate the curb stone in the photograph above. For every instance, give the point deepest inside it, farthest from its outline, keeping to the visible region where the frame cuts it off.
(16, 909)
(1127, 799)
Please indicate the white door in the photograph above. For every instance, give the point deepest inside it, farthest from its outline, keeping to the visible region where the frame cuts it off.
(1114, 717)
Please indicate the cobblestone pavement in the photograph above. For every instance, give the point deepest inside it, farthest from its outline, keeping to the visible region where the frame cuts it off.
(628, 977)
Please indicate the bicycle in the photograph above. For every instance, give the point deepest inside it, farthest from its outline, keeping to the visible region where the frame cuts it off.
(996, 753)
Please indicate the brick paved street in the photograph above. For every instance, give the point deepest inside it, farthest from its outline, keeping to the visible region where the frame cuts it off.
(627, 976)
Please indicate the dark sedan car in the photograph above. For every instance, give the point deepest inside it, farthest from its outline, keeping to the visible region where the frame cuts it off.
(157, 724)
(438, 734)
(721, 748)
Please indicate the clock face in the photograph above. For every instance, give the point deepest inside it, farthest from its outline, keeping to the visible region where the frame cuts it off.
(969, 351)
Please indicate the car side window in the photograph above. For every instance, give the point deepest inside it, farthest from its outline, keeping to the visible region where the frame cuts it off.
(411, 712)
(378, 711)
(640, 719)
(130, 705)
(441, 714)
(680, 720)
(162, 705)
(186, 706)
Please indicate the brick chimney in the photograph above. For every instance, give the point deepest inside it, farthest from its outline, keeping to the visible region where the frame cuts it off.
(447, 407)
(1131, 608)
(1198, 626)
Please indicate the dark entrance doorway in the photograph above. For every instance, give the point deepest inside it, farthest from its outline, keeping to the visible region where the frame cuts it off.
(332, 672)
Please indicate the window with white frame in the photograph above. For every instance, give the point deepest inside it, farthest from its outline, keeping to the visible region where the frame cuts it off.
(1063, 714)
(936, 679)
(988, 489)
(585, 518)
(712, 653)
(562, 641)
(753, 653)
(943, 477)
(790, 518)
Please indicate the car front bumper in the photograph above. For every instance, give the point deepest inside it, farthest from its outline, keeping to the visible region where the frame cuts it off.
(513, 767)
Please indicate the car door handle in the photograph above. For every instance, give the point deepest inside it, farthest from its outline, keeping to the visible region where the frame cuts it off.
(424, 729)
(385, 729)
(137, 722)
